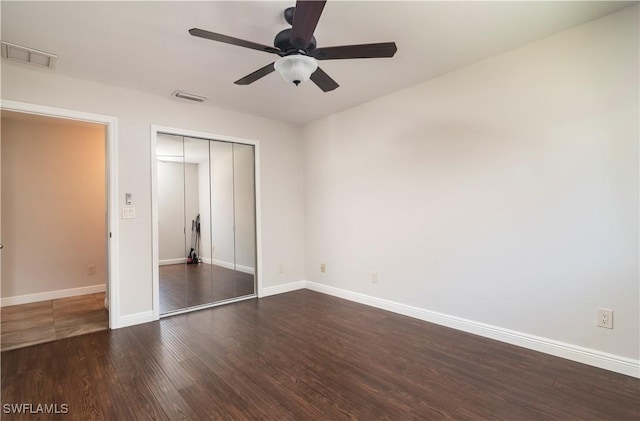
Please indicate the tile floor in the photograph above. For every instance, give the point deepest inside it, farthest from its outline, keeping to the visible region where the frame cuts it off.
(45, 321)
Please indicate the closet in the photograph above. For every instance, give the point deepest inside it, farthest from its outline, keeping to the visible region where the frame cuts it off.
(206, 217)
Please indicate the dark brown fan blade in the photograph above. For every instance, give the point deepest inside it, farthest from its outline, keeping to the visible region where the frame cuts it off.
(382, 49)
(305, 19)
(196, 32)
(260, 73)
(323, 80)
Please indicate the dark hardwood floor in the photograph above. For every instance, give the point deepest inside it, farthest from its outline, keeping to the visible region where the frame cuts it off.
(183, 286)
(307, 356)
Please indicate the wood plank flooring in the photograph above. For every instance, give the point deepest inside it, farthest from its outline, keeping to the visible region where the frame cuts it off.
(183, 286)
(307, 356)
(45, 321)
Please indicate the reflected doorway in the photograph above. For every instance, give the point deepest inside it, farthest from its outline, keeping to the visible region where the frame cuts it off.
(206, 222)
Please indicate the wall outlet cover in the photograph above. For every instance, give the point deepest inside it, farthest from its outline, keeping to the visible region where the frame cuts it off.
(605, 318)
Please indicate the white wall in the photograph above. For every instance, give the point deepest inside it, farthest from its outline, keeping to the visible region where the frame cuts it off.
(222, 201)
(171, 241)
(204, 188)
(192, 202)
(178, 187)
(505, 192)
(53, 207)
(244, 214)
(281, 169)
(230, 182)
(233, 205)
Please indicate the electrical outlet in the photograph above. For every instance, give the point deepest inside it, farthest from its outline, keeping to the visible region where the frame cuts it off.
(91, 270)
(605, 318)
(128, 213)
(323, 267)
(374, 277)
(280, 268)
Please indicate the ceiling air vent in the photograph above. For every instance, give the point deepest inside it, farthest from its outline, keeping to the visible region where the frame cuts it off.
(190, 97)
(28, 55)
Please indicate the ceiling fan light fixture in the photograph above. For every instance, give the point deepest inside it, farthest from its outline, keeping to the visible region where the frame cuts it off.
(296, 68)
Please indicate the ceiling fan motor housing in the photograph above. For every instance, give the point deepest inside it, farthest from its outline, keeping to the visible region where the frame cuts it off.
(282, 41)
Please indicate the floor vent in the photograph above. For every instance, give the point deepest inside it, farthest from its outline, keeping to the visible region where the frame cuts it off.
(28, 55)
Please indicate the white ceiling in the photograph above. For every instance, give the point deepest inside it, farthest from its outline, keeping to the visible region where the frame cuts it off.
(146, 46)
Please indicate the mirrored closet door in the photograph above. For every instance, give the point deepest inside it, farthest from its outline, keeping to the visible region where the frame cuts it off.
(206, 222)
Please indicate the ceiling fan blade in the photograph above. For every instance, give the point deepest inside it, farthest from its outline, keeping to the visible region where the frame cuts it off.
(323, 80)
(305, 19)
(382, 49)
(252, 77)
(196, 32)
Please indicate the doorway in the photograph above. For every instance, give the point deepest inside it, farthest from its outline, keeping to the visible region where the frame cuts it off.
(206, 224)
(86, 267)
(54, 227)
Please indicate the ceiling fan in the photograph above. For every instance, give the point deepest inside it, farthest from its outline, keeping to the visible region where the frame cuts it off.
(298, 50)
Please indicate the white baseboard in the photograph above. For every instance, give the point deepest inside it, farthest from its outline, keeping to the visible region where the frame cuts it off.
(611, 362)
(222, 263)
(229, 265)
(177, 261)
(134, 319)
(281, 289)
(51, 295)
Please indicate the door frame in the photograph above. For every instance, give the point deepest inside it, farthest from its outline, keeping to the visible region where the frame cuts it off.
(111, 181)
(155, 129)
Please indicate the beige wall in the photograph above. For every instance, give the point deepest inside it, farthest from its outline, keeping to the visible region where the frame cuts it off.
(53, 205)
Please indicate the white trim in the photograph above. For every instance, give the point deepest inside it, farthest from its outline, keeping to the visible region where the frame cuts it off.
(229, 265)
(281, 289)
(258, 215)
(221, 263)
(154, 130)
(113, 252)
(177, 261)
(52, 295)
(111, 124)
(155, 265)
(135, 319)
(604, 360)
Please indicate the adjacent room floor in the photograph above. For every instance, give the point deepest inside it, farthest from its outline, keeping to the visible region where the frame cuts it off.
(45, 321)
(307, 356)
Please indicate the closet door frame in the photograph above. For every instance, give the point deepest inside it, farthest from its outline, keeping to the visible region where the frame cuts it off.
(155, 130)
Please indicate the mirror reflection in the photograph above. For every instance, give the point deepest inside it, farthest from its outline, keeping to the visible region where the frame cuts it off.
(206, 221)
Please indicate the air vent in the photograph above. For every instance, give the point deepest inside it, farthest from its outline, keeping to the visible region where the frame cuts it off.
(28, 55)
(190, 97)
